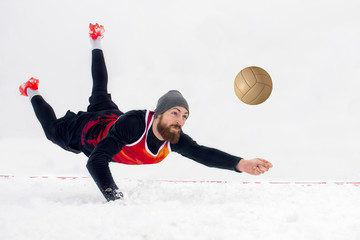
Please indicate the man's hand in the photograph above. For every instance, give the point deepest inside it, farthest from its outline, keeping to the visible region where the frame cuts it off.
(254, 166)
(113, 194)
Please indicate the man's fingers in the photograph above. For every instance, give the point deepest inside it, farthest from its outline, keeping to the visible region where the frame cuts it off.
(258, 171)
(255, 166)
(263, 169)
(267, 164)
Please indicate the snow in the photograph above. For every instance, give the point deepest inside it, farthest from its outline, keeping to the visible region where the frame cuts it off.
(70, 209)
(308, 128)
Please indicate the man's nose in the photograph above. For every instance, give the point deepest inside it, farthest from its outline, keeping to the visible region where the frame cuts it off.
(180, 121)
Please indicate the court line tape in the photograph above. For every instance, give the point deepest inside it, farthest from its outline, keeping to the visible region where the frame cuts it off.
(59, 177)
(307, 183)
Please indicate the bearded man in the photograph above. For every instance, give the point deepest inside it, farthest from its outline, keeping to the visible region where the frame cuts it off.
(105, 134)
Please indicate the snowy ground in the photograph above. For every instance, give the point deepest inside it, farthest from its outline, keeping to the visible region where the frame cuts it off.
(52, 208)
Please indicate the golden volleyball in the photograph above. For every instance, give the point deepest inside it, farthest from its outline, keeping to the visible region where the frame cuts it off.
(253, 85)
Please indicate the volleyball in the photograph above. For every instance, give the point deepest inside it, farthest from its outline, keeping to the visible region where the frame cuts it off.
(253, 85)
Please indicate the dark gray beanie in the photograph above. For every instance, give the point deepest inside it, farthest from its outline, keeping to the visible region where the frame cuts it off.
(169, 100)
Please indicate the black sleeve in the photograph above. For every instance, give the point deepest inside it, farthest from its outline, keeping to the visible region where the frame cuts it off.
(127, 129)
(210, 157)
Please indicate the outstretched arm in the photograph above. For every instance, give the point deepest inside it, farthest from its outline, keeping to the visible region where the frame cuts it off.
(212, 157)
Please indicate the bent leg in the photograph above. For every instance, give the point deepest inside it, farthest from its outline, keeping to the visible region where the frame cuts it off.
(43, 111)
(59, 131)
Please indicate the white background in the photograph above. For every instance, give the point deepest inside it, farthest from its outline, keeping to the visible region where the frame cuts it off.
(308, 128)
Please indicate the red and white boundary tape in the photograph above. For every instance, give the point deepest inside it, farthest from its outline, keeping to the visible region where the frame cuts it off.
(355, 183)
(12, 176)
(273, 183)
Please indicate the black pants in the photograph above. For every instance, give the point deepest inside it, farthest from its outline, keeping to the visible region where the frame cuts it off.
(62, 131)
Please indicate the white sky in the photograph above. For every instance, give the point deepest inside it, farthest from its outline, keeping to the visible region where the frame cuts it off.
(308, 127)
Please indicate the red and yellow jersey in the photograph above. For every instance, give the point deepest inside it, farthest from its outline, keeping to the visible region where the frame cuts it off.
(138, 152)
(133, 154)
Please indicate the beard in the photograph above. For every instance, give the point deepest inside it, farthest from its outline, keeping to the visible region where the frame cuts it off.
(167, 133)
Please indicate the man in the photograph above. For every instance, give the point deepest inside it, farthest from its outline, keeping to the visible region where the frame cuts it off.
(105, 134)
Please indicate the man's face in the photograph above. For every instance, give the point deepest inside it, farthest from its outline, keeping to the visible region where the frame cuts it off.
(171, 122)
